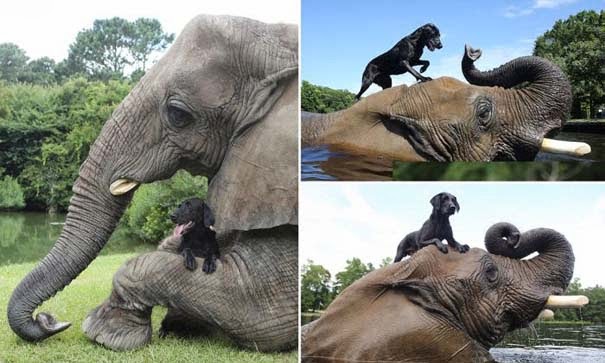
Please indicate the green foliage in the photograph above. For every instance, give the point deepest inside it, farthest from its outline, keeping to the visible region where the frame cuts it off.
(11, 194)
(111, 45)
(324, 99)
(577, 45)
(12, 61)
(354, 270)
(315, 287)
(39, 71)
(148, 214)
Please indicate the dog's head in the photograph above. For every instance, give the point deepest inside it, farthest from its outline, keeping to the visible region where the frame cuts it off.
(193, 210)
(432, 37)
(445, 204)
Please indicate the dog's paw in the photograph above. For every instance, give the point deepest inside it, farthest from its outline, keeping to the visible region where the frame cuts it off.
(209, 265)
(190, 262)
(463, 248)
(442, 248)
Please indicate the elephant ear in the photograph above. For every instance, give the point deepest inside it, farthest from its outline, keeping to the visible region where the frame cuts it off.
(257, 184)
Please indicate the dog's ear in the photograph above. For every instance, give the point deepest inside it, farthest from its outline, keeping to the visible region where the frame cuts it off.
(436, 201)
(456, 204)
(208, 216)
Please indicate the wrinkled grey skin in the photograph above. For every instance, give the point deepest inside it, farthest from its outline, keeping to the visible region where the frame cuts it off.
(248, 297)
(237, 78)
(436, 307)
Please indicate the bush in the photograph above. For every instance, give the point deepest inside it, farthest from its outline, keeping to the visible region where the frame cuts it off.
(324, 99)
(11, 194)
(147, 216)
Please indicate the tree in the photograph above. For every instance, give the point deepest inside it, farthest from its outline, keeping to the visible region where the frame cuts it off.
(112, 45)
(577, 45)
(39, 71)
(12, 61)
(147, 38)
(314, 287)
(102, 52)
(324, 99)
(354, 270)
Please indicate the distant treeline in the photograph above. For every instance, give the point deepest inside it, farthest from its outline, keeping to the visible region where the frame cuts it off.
(51, 113)
(318, 290)
(577, 45)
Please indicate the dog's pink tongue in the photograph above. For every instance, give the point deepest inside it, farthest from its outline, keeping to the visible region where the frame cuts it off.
(178, 230)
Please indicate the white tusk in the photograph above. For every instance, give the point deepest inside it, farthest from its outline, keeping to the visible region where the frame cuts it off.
(546, 314)
(122, 186)
(565, 147)
(569, 302)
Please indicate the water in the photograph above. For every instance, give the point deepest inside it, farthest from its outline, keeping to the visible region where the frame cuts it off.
(27, 237)
(547, 343)
(325, 163)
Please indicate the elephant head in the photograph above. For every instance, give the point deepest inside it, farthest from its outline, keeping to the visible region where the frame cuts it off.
(222, 102)
(504, 114)
(444, 307)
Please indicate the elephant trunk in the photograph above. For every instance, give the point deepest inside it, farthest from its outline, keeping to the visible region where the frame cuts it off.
(546, 97)
(547, 274)
(92, 216)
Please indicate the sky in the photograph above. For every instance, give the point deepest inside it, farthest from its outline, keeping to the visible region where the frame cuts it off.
(47, 28)
(340, 221)
(339, 37)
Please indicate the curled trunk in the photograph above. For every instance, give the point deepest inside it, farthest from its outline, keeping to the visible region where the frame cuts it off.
(547, 95)
(92, 216)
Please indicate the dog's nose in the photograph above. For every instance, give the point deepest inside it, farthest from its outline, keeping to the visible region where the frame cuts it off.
(452, 209)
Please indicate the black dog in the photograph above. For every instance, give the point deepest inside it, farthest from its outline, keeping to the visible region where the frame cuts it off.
(401, 58)
(434, 230)
(196, 220)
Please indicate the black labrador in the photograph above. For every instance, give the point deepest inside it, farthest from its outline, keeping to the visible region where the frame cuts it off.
(401, 58)
(434, 230)
(196, 220)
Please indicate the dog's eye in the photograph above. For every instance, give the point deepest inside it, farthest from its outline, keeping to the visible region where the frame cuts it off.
(179, 114)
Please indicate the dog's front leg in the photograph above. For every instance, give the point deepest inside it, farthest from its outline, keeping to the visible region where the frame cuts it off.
(424, 63)
(413, 72)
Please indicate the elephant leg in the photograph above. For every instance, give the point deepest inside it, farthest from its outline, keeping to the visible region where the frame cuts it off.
(116, 325)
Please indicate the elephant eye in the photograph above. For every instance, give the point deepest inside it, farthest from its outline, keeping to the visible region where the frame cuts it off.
(178, 114)
(484, 113)
(491, 273)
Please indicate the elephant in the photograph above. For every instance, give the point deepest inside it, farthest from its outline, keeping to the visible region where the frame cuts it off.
(505, 114)
(436, 307)
(222, 102)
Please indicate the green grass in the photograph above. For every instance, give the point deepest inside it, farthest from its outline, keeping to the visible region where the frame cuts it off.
(82, 295)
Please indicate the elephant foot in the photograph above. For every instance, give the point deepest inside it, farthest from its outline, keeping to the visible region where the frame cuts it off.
(190, 262)
(117, 328)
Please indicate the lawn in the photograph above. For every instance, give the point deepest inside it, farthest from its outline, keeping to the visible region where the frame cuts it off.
(81, 296)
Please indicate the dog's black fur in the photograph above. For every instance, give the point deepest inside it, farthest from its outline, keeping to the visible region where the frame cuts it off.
(434, 230)
(199, 239)
(401, 58)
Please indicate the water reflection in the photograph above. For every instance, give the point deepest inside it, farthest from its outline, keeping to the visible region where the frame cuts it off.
(327, 163)
(27, 237)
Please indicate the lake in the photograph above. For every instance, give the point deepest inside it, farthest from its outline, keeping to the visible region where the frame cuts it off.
(548, 343)
(323, 164)
(27, 237)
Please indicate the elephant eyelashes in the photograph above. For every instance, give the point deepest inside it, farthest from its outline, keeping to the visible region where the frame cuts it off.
(178, 115)
(484, 113)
